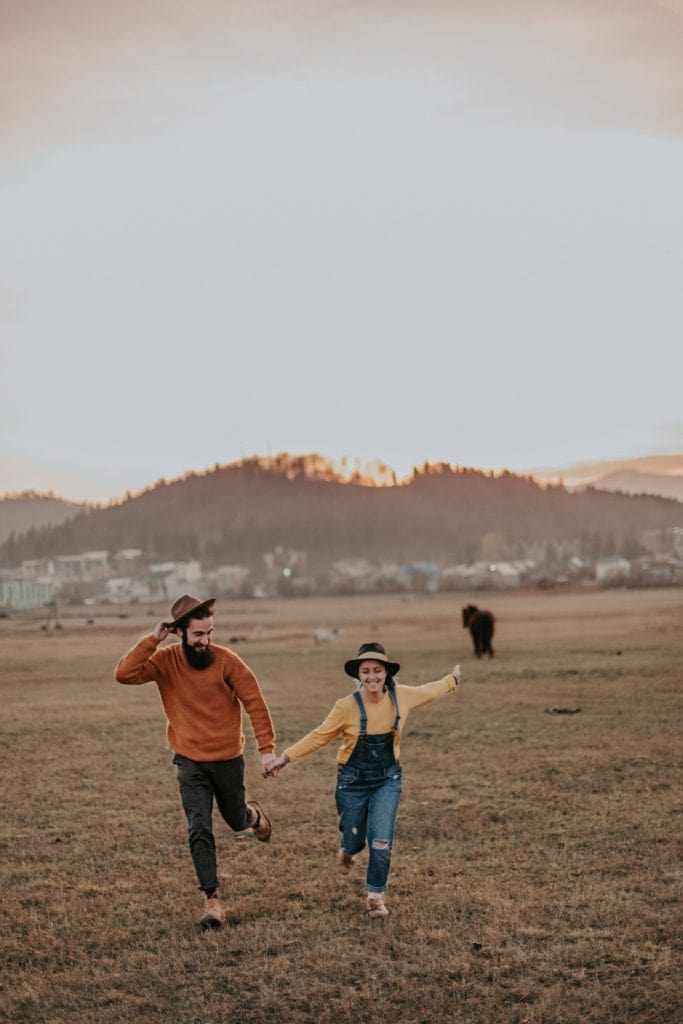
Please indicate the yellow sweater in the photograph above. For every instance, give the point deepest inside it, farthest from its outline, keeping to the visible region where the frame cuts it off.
(344, 719)
(203, 706)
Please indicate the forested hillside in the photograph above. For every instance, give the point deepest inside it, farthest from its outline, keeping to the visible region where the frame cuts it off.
(235, 513)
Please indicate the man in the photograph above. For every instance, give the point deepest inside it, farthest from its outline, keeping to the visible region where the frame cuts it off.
(203, 688)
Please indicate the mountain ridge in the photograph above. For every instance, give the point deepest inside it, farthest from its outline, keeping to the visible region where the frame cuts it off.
(635, 482)
(21, 511)
(657, 474)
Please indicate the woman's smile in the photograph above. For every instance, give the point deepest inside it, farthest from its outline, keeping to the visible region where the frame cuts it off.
(372, 675)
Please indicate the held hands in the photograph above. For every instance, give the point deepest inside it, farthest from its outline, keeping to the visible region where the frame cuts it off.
(267, 763)
(456, 673)
(274, 766)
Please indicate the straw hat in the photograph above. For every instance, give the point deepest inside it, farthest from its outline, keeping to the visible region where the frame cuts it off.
(370, 652)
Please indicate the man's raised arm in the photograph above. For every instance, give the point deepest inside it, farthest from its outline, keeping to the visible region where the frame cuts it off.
(137, 667)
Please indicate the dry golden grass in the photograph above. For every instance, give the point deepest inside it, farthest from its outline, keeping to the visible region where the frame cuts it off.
(535, 877)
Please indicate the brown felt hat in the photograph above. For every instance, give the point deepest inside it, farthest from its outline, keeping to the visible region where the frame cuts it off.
(370, 652)
(185, 607)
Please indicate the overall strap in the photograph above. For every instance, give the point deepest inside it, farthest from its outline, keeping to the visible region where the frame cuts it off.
(397, 719)
(363, 715)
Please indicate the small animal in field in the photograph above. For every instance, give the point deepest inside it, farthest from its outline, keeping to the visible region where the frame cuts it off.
(480, 625)
(323, 636)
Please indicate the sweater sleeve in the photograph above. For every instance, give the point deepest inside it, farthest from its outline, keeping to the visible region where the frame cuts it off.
(321, 736)
(416, 696)
(246, 686)
(138, 666)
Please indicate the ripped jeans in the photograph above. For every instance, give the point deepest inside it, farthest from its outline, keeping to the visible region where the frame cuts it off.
(367, 804)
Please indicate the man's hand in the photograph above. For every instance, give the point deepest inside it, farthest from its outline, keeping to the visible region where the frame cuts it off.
(267, 761)
(161, 631)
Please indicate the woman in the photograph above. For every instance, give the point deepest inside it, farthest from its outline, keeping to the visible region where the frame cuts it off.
(368, 791)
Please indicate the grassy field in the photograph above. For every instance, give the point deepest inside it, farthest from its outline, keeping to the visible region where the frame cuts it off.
(535, 877)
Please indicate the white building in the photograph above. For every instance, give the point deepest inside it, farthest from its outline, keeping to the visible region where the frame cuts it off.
(612, 569)
(40, 569)
(25, 594)
(169, 579)
(124, 589)
(83, 568)
(505, 575)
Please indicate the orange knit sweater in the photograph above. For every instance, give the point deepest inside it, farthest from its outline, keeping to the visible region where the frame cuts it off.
(203, 706)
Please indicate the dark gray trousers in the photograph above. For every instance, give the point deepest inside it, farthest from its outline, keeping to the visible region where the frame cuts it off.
(200, 782)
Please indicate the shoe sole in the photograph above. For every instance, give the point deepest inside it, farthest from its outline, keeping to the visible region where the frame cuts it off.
(266, 837)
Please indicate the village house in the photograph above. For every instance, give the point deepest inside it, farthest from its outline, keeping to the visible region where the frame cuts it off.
(612, 569)
(127, 589)
(168, 579)
(88, 567)
(15, 593)
(353, 575)
(39, 569)
(657, 572)
(127, 560)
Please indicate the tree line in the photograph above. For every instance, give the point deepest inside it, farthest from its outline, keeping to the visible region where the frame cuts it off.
(233, 514)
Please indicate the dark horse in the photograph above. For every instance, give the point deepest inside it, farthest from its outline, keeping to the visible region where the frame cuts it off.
(480, 625)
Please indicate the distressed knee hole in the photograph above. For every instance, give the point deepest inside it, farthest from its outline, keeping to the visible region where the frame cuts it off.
(380, 844)
(355, 831)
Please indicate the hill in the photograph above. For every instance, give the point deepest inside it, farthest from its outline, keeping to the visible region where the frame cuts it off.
(26, 511)
(649, 474)
(633, 482)
(236, 513)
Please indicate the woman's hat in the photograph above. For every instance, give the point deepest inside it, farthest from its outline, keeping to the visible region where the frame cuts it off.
(185, 607)
(370, 652)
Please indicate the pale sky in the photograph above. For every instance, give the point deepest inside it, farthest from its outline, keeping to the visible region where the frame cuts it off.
(405, 231)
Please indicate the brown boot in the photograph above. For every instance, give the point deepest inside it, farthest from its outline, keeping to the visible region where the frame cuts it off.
(376, 906)
(262, 829)
(214, 915)
(345, 862)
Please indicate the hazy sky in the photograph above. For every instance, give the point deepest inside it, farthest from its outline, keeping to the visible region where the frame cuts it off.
(404, 230)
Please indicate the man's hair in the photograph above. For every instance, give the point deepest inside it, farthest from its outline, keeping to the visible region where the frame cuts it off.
(201, 613)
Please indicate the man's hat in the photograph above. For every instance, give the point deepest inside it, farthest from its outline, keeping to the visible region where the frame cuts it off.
(185, 607)
(370, 652)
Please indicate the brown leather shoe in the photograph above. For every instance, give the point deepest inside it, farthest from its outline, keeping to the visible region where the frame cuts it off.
(262, 829)
(345, 862)
(214, 915)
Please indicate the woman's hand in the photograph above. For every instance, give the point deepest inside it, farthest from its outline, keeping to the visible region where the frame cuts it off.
(456, 673)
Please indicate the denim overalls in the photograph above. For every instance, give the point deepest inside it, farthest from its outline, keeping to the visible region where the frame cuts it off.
(367, 795)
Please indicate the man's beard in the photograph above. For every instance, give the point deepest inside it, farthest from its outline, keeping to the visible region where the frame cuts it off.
(198, 659)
